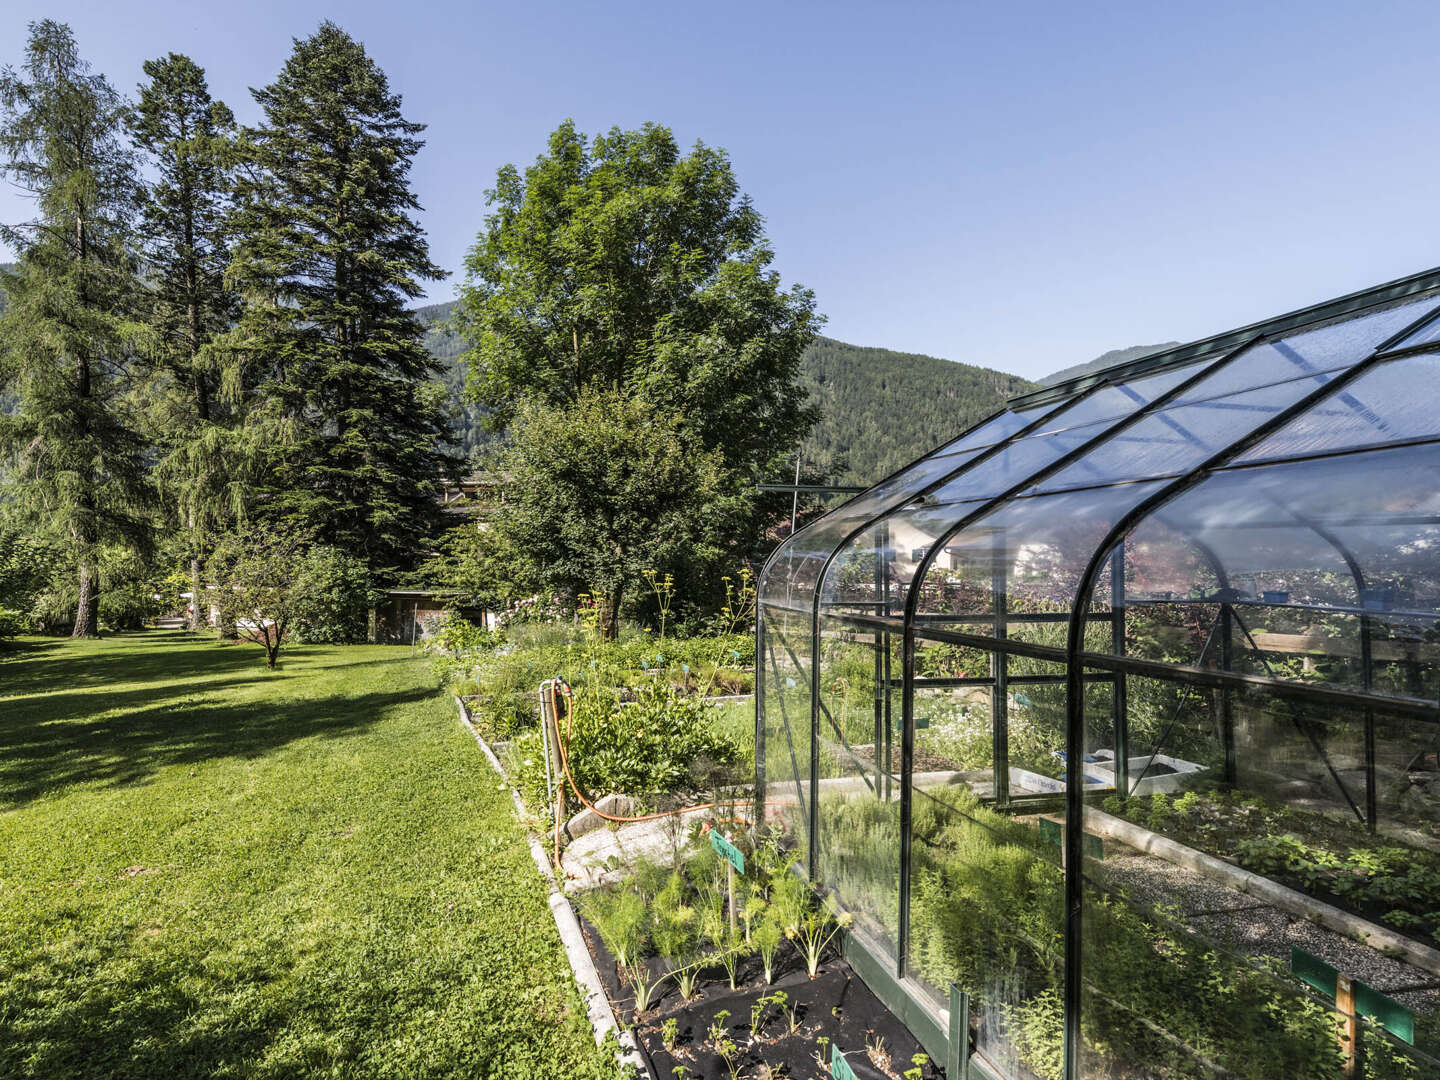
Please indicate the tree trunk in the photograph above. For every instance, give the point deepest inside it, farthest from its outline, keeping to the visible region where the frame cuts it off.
(610, 615)
(87, 610)
(197, 595)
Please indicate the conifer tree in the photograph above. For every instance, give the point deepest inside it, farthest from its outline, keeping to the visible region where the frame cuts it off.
(186, 136)
(68, 331)
(329, 254)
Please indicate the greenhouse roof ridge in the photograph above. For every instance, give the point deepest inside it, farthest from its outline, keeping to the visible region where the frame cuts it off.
(1406, 288)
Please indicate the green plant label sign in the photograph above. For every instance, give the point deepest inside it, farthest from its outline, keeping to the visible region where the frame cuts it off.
(1369, 1002)
(728, 850)
(839, 1067)
(1054, 831)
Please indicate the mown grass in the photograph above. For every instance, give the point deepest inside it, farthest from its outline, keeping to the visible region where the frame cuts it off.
(208, 869)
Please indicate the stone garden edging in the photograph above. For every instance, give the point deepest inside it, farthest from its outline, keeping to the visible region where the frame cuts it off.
(597, 1005)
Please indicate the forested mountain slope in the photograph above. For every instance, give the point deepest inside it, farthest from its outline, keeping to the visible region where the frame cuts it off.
(881, 408)
(1109, 359)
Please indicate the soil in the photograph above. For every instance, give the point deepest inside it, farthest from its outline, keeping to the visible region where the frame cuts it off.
(835, 1005)
(925, 760)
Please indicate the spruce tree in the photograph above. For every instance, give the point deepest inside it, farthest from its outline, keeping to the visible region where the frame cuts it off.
(329, 254)
(186, 137)
(68, 331)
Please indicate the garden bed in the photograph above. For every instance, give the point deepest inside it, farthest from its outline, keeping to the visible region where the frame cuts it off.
(786, 1028)
(1375, 877)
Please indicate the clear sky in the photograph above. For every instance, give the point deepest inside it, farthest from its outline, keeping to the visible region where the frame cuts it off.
(1016, 185)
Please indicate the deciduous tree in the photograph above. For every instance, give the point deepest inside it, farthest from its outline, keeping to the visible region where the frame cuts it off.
(604, 489)
(622, 263)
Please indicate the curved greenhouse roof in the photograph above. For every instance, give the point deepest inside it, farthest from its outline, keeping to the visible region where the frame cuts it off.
(1219, 566)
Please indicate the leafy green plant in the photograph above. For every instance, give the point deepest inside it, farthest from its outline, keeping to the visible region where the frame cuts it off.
(1188, 803)
(1159, 811)
(810, 927)
(761, 1007)
(730, 946)
(662, 742)
(1037, 1028)
(719, 1033)
(621, 917)
(457, 645)
(669, 1032)
(643, 985)
(767, 935)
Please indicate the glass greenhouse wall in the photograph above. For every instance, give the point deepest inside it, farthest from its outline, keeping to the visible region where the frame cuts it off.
(1115, 722)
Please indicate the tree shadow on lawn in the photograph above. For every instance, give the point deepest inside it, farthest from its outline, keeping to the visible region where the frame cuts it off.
(132, 1009)
(37, 757)
(39, 667)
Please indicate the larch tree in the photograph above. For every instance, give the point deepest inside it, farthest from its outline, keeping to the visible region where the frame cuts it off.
(186, 137)
(69, 330)
(328, 255)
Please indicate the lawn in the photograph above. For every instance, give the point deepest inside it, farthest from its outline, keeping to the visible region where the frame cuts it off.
(208, 869)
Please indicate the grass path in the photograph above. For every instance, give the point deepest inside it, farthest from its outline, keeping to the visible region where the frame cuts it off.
(207, 869)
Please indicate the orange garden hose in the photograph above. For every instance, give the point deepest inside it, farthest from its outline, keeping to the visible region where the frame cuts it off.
(565, 766)
(622, 818)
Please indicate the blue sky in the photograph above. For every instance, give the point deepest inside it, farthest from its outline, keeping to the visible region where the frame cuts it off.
(1021, 186)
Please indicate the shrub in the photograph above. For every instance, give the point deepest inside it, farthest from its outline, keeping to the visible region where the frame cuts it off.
(12, 623)
(129, 605)
(456, 644)
(662, 743)
(332, 606)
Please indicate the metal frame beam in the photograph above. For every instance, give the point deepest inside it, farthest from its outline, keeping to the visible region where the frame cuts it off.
(1075, 659)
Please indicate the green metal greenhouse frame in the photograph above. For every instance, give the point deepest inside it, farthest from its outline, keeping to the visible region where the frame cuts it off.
(1284, 473)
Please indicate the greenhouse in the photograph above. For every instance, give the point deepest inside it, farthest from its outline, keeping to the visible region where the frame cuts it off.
(1114, 723)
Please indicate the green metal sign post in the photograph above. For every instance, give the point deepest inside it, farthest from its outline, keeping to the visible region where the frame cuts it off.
(1353, 998)
(726, 850)
(736, 859)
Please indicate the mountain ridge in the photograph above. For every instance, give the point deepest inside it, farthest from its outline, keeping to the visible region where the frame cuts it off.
(881, 408)
(1105, 360)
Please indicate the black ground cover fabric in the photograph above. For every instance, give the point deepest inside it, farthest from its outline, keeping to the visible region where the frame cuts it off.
(836, 1005)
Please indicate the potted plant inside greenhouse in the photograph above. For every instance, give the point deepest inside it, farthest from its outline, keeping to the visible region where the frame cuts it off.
(1114, 723)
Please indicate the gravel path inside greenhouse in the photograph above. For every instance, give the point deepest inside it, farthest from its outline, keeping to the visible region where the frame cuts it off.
(1247, 926)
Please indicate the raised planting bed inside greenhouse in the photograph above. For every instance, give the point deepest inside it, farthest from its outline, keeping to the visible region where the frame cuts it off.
(1118, 715)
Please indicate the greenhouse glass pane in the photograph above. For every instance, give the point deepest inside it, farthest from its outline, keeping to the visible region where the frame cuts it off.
(1328, 349)
(996, 429)
(1114, 401)
(1016, 463)
(1352, 538)
(1226, 778)
(866, 575)
(1386, 404)
(1179, 438)
(784, 660)
(1035, 549)
(792, 575)
(859, 791)
(1425, 335)
(987, 889)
